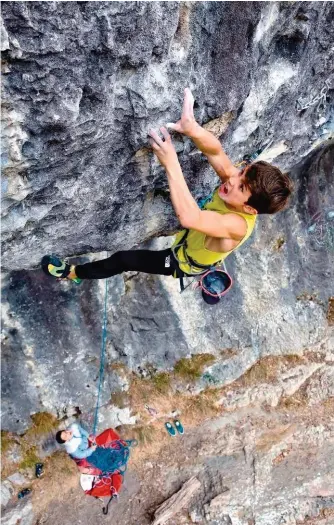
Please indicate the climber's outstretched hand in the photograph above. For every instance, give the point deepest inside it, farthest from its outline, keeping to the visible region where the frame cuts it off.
(163, 148)
(187, 123)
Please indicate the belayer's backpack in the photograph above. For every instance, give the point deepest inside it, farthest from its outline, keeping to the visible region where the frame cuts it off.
(100, 483)
(102, 486)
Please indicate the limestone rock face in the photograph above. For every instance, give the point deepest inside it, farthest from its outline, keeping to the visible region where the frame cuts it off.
(277, 306)
(82, 84)
(22, 513)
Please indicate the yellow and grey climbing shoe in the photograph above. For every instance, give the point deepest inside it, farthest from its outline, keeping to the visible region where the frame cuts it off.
(55, 267)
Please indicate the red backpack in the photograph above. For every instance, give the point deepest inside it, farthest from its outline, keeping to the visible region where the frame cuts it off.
(102, 486)
(96, 483)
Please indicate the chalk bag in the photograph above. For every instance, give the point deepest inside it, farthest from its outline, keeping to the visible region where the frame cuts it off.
(214, 285)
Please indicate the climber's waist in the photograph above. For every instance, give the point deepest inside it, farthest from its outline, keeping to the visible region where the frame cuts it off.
(185, 263)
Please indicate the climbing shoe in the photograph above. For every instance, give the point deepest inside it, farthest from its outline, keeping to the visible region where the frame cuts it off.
(23, 493)
(170, 429)
(39, 470)
(179, 426)
(52, 265)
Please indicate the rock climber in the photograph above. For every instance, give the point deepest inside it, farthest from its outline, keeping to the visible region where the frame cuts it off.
(101, 459)
(210, 234)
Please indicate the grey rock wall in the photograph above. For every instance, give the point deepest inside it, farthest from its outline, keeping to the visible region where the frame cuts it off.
(84, 81)
(277, 306)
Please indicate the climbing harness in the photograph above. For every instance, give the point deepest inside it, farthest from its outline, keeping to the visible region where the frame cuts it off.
(102, 358)
(196, 268)
(213, 279)
(321, 99)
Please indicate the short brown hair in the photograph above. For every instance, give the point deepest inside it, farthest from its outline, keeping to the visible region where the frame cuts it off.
(270, 187)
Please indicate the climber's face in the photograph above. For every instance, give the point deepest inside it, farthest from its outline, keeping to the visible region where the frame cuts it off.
(235, 193)
(66, 435)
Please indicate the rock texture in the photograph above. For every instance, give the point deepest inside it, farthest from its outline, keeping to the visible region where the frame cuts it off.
(256, 466)
(82, 83)
(278, 306)
(21, 513)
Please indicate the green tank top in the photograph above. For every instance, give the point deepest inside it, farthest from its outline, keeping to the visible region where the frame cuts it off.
(196, 240)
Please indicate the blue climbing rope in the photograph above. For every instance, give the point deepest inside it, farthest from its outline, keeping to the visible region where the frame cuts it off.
(102, 358)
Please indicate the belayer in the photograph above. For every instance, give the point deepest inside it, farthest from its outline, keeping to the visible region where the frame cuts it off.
(210, 234)
(105, 453)
(101, 460)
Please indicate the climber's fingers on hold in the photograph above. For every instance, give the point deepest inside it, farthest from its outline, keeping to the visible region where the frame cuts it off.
(188, 104)
(175, 126)
(165, 134)
(154, 145)
(157, 140)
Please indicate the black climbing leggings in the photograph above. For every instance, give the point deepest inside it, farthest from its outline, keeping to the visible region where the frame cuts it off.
(147, 261)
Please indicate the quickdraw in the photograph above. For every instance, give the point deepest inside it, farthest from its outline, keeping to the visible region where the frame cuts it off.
(321, 99)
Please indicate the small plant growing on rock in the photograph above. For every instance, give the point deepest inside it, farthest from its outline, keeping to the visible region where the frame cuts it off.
(280, 241)
(120, 399)
(161, 382)
(267, 369)
(191, 368)
(29, 459)
(43, 423)
(144, 434)
(6, 441)
(202, 405)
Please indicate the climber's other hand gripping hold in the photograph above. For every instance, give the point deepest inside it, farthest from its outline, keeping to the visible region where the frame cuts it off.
(203, 139)
(187, 124)
(164, 149)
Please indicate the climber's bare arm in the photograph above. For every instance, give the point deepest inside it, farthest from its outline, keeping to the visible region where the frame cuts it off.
(212, 149)
(205, 141)
(228, 226)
